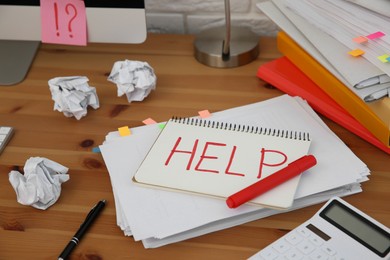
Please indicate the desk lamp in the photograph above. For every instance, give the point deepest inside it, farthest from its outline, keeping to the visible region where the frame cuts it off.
(225, 47)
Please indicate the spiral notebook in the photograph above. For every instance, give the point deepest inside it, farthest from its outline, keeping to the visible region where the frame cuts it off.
(218, 159)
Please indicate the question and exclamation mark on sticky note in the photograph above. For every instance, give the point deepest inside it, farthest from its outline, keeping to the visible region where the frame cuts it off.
(64, 22)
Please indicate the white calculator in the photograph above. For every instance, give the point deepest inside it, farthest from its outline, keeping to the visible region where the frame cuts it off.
(337, 231)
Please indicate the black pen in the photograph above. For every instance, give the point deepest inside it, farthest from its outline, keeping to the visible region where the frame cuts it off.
(92, 215)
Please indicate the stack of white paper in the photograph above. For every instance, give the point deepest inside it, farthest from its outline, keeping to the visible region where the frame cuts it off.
(160, 217)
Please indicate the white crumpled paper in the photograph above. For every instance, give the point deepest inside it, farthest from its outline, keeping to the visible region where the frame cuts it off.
(72, 95)
(40, 186)
(136, 79)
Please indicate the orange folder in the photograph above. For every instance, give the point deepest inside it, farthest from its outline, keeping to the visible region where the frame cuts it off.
(284, 75)
(374, 116)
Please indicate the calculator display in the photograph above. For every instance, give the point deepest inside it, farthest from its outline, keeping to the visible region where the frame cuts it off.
(358, 227)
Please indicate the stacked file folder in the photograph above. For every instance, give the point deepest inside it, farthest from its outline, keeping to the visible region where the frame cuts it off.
(340, 49)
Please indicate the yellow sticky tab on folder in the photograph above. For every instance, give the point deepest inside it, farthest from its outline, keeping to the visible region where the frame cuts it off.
(360, 39)
(384, 58)
(124, 131)
(356, 52)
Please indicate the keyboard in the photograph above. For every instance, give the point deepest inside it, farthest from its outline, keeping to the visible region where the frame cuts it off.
(6, 133)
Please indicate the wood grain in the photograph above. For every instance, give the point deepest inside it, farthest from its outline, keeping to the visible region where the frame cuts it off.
(184, 87)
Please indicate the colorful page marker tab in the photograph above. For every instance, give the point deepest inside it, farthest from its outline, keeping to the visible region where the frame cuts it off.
(204, 113)
(149, 121)
(384, 58)
(161, 126)
(124, 131)
(360, 39)
(96, 150)
(356, 52)
(375, 35)
(64, 22)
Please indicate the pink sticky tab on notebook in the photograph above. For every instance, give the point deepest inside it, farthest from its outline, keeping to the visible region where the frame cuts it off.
(149, 121)
(360, 39)
(375, 35)
(204, 113)
(356, 52)
(63, 22)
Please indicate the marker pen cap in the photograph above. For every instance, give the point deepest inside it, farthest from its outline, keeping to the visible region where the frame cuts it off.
(305, 162)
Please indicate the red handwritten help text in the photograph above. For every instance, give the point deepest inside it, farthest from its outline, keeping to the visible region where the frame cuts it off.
(198, 161)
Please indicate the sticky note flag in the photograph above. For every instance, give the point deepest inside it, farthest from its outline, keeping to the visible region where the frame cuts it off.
(356, 52)
(204, 113)
(149, 121)
(63, 22)
(96, 150)
(124, 131)
(375, 35)
(161, 126)
(360, 39)
(384, 58)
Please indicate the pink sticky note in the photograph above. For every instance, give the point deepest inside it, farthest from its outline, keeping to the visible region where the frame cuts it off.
(63, 22)
(360, 39)
(149, 121)
(204, 113)
(375, 35)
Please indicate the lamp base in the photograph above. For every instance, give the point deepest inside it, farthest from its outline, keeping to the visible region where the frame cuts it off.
(244, 47)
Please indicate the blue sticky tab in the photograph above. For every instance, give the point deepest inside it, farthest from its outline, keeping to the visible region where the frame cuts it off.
(96, 150)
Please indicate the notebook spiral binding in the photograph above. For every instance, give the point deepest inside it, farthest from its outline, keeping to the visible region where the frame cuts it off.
(243, 128)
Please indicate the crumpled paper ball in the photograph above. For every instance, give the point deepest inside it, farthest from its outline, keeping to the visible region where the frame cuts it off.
(136, 79)
(40, 186)
(72, 95)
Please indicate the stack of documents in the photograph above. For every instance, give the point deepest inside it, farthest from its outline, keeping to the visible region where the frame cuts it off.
(327, 29)
(344, 47)
(160, 217)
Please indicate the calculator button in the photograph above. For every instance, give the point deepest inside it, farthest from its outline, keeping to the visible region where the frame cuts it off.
(294, 238)
(281, 246)
(268, 253)
(304, 232)
(306, 247)
(329, 250)
(318, 255)
(316, 240)
(293, 254)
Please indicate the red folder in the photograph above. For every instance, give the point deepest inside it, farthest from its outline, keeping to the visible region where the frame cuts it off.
(284, 75)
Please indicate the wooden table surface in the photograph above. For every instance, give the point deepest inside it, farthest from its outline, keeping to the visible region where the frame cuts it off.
(183, 86)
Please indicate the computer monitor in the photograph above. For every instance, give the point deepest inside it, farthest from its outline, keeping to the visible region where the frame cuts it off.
(108, 21)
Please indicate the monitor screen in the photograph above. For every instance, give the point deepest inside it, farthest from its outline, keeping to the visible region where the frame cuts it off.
(108, 21)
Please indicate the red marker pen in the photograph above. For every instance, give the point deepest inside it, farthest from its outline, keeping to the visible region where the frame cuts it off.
(293, 169)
